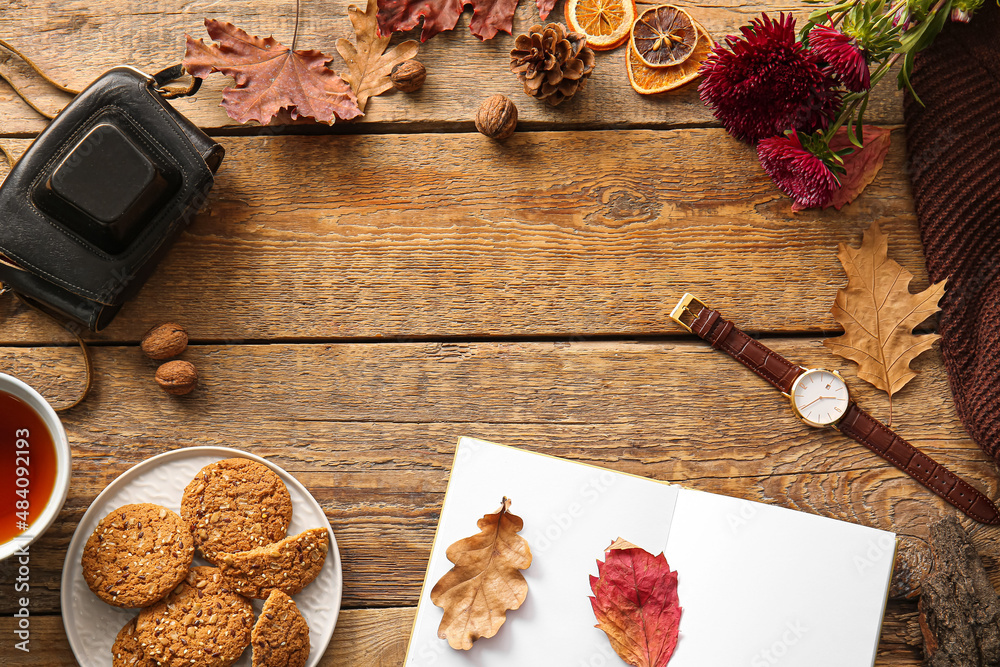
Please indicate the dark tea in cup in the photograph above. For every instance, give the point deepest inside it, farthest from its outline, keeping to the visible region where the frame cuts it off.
(29, 470)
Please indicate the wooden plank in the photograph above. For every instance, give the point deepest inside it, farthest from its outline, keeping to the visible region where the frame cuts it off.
(370, 429)
(76, 41)
(378, 638)
(552, 234)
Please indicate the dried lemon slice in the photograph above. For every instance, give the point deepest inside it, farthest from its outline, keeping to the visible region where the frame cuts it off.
(606, 23)
(664, 36)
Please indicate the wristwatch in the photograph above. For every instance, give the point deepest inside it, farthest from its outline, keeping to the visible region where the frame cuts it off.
(821, 398)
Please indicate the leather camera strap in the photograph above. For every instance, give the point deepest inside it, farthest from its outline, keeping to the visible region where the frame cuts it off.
(856, 423)
(40, 72)
(171, 74)
(88, 363)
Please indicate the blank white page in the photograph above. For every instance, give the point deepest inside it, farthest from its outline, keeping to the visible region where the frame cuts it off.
(765, 586)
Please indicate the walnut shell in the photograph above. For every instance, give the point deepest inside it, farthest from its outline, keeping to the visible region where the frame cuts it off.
(497, 117)
(408, 75)
(164, 341)
(177, 377)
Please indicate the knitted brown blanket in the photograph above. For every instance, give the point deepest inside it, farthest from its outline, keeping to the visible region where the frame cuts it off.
(954, 161)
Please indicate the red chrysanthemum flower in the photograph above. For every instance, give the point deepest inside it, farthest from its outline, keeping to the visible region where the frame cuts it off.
(797, 171)
(843, 55)
(766, 82)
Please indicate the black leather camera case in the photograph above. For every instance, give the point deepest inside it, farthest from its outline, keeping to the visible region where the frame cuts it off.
(95, 201)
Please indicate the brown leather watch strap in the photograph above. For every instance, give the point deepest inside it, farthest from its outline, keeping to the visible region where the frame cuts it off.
(877, 437)
(856, 423)
(725, 336)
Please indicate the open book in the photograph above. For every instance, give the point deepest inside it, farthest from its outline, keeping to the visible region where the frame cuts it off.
(760, 586)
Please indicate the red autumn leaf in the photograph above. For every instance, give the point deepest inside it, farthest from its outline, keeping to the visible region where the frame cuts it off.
(545, 7)
(270, 77)
(862, 165)
(635, 602)
(488, 16)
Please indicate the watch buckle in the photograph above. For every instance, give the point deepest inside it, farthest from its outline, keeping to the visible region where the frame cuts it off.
(683, 308)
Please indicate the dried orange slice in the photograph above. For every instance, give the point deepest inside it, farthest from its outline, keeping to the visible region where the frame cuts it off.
(606, 23)
(664, 36)
(650, 80)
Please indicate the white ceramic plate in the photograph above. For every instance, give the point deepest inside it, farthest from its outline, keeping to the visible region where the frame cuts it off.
(91, 625)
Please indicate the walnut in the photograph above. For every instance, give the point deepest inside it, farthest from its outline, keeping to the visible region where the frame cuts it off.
(164, 341)
(497, 117)
(177, 377)
(408, 75)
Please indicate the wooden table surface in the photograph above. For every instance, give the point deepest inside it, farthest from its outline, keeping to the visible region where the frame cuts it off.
(360, 296)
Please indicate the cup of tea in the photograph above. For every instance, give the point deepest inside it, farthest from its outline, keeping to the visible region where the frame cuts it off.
(34, 475)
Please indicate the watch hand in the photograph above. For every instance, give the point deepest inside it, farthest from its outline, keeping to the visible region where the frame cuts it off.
(818, 398)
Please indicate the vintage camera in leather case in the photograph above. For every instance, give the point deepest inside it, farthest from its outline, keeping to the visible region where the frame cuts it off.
(97, 198)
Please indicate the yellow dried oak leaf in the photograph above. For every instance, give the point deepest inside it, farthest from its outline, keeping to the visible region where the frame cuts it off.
(368, 64)
(878, 314)
(485, 582)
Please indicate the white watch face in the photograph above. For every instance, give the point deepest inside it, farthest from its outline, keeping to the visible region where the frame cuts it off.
(820, 397)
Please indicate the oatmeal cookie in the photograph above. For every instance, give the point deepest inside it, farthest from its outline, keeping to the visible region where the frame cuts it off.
(137, 554)
(281, 636)
(126, 652)
(235, 505)
(200, 623)
(288, 566)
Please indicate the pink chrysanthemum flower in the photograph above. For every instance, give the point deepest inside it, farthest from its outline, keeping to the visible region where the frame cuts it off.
(843, 55)
(766, 82)
(798, 172)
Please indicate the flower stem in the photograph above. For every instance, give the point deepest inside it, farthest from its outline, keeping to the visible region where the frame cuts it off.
(842, 118)
(854, 103)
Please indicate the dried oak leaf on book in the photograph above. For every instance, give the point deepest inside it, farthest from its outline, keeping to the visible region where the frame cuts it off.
(270, 77)
(368, 63)
(486, 581)
(636, 605)
(878, 313)
(488, 16)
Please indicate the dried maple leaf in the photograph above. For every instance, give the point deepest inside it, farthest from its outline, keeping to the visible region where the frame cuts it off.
(368, 66)
(485, 582)
(488, 16)
(861, 166)
(269, 77)
(878, 314)
(636, 605)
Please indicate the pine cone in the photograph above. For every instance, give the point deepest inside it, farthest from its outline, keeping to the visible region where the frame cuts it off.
(552, 62)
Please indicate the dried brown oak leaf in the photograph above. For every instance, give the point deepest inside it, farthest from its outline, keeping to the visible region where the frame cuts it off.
(878, 314)
(270, 77)
(488, 16)
(368, 64)
(485, 582)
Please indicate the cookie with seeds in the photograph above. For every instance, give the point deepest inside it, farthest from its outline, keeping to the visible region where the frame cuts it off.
(235, 505)
(126, 652)
(288, 566)
(201, 622)
(280, 638)
(137, 554)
